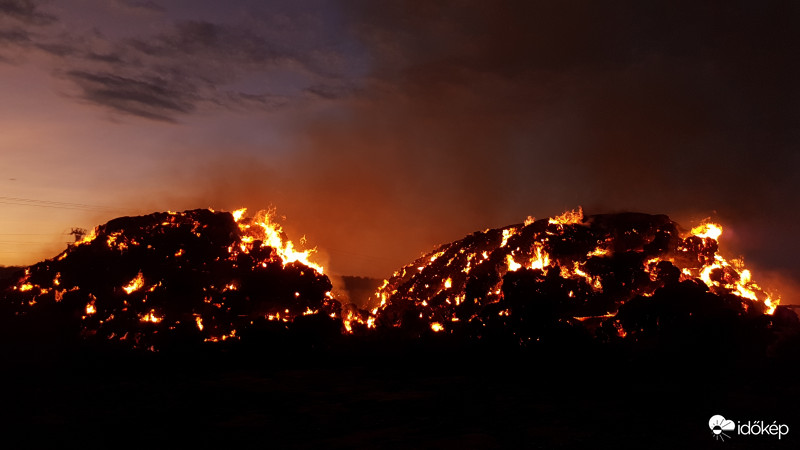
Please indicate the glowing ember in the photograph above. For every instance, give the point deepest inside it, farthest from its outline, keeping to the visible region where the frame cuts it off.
(573, 268)
(151, 317)
(216, 271)
(210, 274)
(135, 284)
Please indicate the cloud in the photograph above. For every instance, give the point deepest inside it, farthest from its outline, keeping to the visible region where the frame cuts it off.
(14, 37)
(141, 6)
(156, 98)
(25, 11)
(266, 62)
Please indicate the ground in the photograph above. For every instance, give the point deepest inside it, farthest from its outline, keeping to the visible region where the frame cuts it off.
(422, 394)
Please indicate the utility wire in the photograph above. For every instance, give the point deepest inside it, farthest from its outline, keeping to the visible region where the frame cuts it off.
(18, 201)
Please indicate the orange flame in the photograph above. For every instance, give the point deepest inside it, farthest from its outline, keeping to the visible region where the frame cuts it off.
(263, 228)
(135, 284)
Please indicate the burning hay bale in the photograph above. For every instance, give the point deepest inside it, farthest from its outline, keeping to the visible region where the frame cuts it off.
(204, 276)
(627, 276)
(192, 276)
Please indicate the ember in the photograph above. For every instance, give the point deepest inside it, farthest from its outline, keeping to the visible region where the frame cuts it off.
(577, 273)
(202, 275)
(205, 276)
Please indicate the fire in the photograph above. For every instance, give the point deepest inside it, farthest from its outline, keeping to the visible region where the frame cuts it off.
(151, 317)
(87, 238)
(582, 270)
(707, 230)
(263, 228)
(513, 266)
(737, 282)
(228, 270)
(238, 214)
(568, 218)
(585, 265)
(541, 259)
(135, 284)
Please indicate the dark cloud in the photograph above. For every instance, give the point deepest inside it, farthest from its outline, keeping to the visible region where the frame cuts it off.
(197, 61)
(272, 58)
(14, 37)
(57, 49)
(156, 98)
(195, 38)
(25, 11)
(144, 6)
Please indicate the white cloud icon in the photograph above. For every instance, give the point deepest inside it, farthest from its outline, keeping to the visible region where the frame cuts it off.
(718, 425)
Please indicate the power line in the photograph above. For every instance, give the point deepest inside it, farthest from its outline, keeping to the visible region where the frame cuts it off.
(19, 201)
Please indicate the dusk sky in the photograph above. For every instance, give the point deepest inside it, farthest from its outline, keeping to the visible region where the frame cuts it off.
(380, 129)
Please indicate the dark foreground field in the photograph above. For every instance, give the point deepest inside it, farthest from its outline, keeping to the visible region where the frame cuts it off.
(426, 393)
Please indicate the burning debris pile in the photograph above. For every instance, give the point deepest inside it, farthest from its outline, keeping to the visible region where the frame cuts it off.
(192, 276)
(206, 276)
(618, 276)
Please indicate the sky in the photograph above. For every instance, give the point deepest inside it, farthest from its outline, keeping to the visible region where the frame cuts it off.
(380, 129)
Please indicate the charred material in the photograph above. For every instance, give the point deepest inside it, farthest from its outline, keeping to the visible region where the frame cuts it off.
(628, 276)
(170, 277)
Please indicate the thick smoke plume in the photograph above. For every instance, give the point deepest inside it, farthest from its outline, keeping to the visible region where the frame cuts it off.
(470, 116)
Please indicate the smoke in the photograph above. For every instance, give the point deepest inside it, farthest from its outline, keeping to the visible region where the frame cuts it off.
(474, 116)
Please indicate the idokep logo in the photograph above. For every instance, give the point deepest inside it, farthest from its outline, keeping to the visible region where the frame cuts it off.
(719, 425)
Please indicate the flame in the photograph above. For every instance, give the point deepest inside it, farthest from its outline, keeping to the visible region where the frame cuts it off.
(135, 284)
(513, 266)
(599, 251)
(151, 317)
(586, 273)
(540, 259)
(707, 230)
(260, 238)
(238, 214)
(87, 238)
(568, 218)
(733, 278)
(507, 233)
(263, 228)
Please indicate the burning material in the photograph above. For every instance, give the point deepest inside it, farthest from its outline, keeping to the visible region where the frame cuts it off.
(134, 285)
(573, 272)
(198, 275)
(205, 276)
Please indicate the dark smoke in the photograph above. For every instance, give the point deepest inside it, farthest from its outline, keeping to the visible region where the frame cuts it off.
(474, 115)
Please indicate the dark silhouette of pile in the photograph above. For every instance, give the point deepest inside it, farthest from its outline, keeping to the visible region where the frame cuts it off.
(627, 276)
(164, 278)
